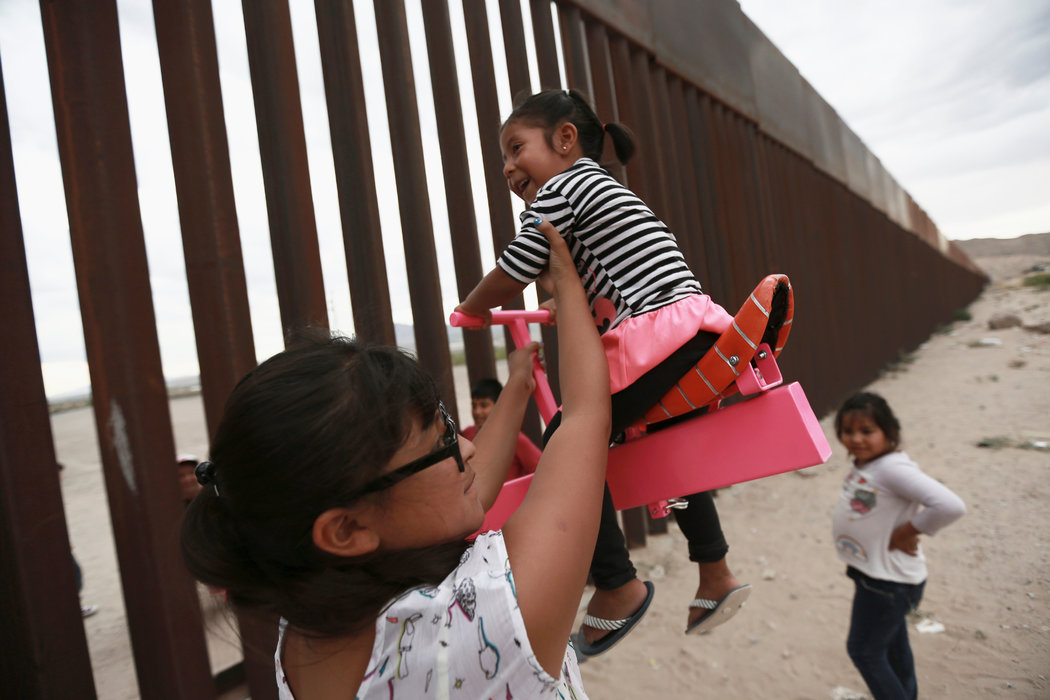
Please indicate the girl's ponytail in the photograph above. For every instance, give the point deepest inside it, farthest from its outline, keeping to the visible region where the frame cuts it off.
(622, 139)
(549, 108)
(592, 131)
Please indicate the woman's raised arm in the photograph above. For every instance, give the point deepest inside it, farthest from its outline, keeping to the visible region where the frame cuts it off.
(550, 539)
(498, 439)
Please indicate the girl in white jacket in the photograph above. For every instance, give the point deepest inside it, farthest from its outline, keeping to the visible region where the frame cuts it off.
(885, 505)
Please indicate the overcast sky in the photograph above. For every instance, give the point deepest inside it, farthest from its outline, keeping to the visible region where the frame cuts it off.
(953, 96)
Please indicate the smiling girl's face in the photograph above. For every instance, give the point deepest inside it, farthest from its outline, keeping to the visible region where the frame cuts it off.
(863, 438)
(530, 160)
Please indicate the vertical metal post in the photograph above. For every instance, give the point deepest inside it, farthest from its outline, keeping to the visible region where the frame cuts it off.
(747, 133)
(354, 172)
(724, 211)
(501, 215)
(702, 159)
(286, 174)
(747, 201)
(574, 47)
(211, 243)
(629, 93)
(766, 221)
(667, 171)
(739, 244)
(550, 78)
(833, 238)
(627, 111)
(546, 48)
(667, 157)
(463, 226)
(514, 48)
(602, 89)
(647, 134)
(692, 230)
(45, 651)
(417, 229)
(129, 396)
(207, 212)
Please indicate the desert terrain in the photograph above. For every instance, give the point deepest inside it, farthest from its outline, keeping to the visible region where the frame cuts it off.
(974, 404)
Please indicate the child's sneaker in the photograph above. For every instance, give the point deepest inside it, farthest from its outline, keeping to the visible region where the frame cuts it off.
(88, 610)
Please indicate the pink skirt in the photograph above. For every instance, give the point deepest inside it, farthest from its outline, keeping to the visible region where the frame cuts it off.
(641, 342)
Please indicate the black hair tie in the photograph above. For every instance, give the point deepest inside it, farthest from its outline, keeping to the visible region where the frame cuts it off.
(205, 473)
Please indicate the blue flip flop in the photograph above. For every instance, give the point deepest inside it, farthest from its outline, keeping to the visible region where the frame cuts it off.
(618, 629)
(719, 611)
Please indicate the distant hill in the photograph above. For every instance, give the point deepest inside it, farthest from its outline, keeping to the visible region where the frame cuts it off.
(405, 337)
(1029, 244)
(1007, 258)
(180, 386)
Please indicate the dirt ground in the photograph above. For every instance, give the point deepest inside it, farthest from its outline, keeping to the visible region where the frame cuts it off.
(989, 583)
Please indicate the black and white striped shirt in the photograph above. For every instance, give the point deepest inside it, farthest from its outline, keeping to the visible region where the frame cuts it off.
(627, 258)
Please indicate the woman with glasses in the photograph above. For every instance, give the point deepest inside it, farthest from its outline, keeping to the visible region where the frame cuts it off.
(339, 500)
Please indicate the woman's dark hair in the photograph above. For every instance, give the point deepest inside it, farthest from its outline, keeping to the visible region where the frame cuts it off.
(551, 108)
(876, 408)
(300, 434)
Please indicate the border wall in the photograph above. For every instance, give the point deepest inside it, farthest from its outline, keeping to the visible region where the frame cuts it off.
(752, 169)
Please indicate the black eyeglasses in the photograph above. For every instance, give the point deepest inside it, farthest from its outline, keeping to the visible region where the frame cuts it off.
(449, 448)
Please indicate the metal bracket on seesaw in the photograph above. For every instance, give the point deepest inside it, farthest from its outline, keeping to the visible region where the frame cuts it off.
(661, 509)
(761, 374)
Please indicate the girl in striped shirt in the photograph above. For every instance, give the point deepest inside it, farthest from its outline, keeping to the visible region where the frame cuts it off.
(654, 319)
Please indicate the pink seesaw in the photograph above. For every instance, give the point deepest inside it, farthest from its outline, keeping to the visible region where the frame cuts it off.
(773, 432)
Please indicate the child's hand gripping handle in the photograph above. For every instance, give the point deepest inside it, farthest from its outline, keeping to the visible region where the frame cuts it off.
(519, 331)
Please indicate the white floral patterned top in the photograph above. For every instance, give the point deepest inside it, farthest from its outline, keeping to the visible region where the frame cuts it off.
(464, 638)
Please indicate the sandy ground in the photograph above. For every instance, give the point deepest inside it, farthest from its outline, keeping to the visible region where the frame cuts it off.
(989, 582)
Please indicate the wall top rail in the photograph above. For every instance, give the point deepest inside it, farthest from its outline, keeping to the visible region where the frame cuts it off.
(737, 64)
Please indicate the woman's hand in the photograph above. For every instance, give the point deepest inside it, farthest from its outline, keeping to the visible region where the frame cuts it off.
(520, 362)
(560, 267)
(497, 441)
(564, 501)
(552, 306)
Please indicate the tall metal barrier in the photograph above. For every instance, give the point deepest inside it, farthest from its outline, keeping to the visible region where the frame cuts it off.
(750, 167)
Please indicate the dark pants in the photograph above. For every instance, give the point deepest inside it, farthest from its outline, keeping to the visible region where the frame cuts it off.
(611, 565)
(878, 635)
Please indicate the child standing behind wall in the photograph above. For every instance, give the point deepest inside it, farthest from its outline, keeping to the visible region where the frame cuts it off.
(885, 504)
(654, 318)
(483, 396)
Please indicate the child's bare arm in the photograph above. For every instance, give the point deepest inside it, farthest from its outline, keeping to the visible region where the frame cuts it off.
(495, 289)
(498, 439)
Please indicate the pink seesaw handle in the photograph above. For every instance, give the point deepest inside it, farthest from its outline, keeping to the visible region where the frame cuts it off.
(499, 318)
(519, 331)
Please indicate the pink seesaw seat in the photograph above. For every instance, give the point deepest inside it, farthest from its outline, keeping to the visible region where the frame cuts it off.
(772, 433)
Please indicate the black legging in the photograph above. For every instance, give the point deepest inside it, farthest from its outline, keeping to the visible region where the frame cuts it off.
(611, 565)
